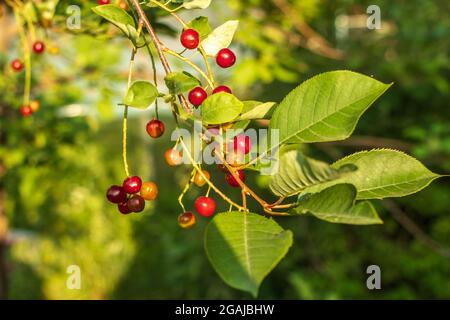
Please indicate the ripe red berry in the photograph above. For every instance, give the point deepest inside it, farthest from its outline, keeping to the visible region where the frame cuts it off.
(102, 2)
(26, 111)
(116, 194)
(190, 39)
(38, 47)
(225, 58)
(186, 220)
(205, 206)
(232, 181)
(197, 96)
(222, 89)
(132, 184)
(136, 203)
(155, 128)
(17, 65)
(242, 143)
(123, 208)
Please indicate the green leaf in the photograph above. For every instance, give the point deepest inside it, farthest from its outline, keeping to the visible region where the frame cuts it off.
(220, 108)
(336, 205)
(117, 16)
(257, 110)
(141, 94)
(326, 107)
(180, 82)
(384, 173)
(297, 172)
(196, 4)
(201, 25)
(220, 37)
(244, 247)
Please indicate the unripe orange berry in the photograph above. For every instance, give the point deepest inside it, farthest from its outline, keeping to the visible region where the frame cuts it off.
(199, 180)
(149, 190)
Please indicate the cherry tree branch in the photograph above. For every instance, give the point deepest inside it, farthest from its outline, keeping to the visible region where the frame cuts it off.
(159, 47)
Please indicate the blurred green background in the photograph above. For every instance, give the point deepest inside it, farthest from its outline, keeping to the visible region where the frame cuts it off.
(56, 165)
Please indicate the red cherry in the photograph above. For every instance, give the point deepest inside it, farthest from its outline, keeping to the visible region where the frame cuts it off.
(197, 96)
(136, 203)
(26, 111)
(123, 208)
(222, 89)
(190, 39)
(38, 47)
(155, 128)
(232, 181)
(205, 206)
(102, 2)
(116, 194)
(132, 184)
(17, 65)
(242, 143)
(225, 58)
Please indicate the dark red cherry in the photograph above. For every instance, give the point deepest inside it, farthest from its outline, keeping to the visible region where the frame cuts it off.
(190, 39)
(17, 65)
(155, 128)
(132, 184)
(38, 47)
(116, 194)
(136, 203)
(232, 181)
(222, 89)
(123, 208)
(225, 58)
(26, 111)
(205, 206)
(197, 96)
(242, 143)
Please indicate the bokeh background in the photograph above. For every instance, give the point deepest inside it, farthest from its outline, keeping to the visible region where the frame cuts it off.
(56, 165)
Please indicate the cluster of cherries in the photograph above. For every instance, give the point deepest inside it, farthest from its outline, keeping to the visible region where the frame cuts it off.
(17, 65)
(225, 58)
(126, 196)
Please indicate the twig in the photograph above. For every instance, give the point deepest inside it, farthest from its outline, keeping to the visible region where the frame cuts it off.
(314, 41)
(159, 48)
(410, 226)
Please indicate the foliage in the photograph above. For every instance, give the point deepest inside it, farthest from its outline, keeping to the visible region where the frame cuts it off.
(328, 192)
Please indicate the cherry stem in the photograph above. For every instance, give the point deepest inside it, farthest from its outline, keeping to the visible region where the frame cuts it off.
(159, 48)
(190, 63)
(27, 57)
(186, 189)
(200, 47)
(208, 181)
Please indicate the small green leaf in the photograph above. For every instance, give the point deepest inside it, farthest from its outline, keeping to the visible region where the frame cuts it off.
(336, 205)
(201, 25)
(220, 37)
(297, 172)
(244, 247)
(117, 16)
(221, 108)
(257, 110)
(196, 4)
(326, 107)
(180, 82)
(141, 94)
